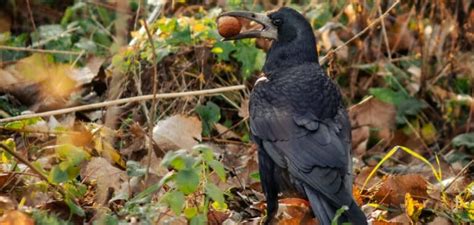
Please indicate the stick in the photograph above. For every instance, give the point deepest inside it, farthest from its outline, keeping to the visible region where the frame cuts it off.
(39, 50)
(125, 100)
(323, 60)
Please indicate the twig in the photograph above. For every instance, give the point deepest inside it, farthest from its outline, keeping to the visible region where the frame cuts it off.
(385, 37)
(125, 100)
(375, 22)
(153, 16)
(458, 175)
(39, 50)
(30, 15)
(154, 101)
(32, 168)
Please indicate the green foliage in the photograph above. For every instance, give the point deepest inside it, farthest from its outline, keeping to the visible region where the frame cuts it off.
(43, 218)
(466, 139)
(209, 114)
(191, 181)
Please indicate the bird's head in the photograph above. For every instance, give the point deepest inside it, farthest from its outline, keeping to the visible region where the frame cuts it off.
(293, 38)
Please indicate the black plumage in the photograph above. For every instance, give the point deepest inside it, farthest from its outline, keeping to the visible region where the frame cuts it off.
(299, 122)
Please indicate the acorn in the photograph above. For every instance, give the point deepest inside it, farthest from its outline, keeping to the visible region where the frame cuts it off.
(228, 26)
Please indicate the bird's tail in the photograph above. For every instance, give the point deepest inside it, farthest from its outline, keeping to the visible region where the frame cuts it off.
(325, 212)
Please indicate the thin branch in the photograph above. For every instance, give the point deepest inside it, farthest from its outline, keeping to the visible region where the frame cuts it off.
(125, 100)
(33, 168)
(154, 101)
(323, 60)
(39, 50)
(385, 37)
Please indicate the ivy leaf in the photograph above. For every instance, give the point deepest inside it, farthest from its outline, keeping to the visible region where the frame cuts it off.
(209, 114)
(187, 181)
(247, 54)
(223, 49)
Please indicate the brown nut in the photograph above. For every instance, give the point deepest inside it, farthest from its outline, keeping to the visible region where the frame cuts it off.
(228, 26)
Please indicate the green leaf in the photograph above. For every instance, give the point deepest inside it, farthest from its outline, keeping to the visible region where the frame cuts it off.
(57, 175)
(178, 160)
(388, 95)
(218, 167)
(190, 212)
(75, 190)
(214, 193)
(21, 124)
(73, 154)
(466, 139)
(106, 219)
(182, 36)
(209, 114)
(74, 208)
(134, 169)
(255, 176)
(223, 49)
(246, 53)
(205, 151)
(187, 181)
(200, 219)
(175, 200)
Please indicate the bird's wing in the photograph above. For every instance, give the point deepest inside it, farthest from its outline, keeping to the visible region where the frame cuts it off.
(315, 151)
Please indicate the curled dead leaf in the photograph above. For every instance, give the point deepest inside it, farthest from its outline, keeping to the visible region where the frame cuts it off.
(177, 132)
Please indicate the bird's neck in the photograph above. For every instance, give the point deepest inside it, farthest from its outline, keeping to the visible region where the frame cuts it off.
(284, 55)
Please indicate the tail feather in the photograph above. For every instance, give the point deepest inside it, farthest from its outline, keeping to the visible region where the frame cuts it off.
(325, 212)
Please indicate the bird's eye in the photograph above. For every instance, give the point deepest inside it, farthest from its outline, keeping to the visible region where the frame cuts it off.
(277, 22)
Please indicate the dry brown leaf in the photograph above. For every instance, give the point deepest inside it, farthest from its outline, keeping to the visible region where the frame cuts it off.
(401, 219)
(216, 217)
(374, 113)
(225, 132)
(294, 211)
(394, 188)
(244, 109)
(380, 222)
(16, 217)
(440, 221)
(108, 178)
(7, 203)
(177, 132)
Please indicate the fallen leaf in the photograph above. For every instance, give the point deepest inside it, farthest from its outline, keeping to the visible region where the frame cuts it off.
(177, 132)
(108, 178)
(374, 113)
(394, 188)
(244, 108)
(439, 221)
(7, 204)
(16, 217)
(294, 211)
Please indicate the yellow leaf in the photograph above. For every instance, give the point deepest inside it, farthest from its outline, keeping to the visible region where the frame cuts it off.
(221, 207)
(413, 207)
(199, 27)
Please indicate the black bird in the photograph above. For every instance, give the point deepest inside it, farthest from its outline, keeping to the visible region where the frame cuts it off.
(299, 122)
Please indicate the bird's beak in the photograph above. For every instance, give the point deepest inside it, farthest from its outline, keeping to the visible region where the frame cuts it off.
(268, 30)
